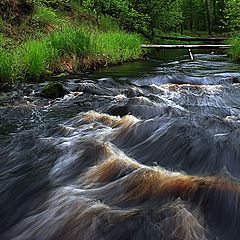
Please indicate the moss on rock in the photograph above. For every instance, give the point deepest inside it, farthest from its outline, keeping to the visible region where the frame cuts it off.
(53, 90)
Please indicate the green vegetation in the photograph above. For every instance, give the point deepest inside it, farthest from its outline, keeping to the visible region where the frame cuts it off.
(234, 51)
(70, 41)
(232, 23)
(116, 47)
(5, 65)
(67, 50)
(45, 16)
(34, 58)
(61, 37)
(42, 37)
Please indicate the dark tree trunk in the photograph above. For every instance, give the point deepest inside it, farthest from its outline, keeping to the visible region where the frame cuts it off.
(215, 23)
(191, 16)
(208, 16)
(221, 12)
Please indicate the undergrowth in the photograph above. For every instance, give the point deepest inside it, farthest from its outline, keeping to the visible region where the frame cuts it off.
(116, 46)
(45, 16)
(37, 58)
(5, 65)
(234, 51)
(58, 40)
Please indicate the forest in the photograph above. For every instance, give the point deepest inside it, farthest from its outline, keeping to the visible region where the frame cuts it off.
(40, 37)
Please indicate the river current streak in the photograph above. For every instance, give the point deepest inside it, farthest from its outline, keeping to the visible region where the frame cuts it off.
(154, 156)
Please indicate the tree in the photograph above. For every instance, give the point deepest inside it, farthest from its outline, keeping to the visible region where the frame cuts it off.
(231, 15)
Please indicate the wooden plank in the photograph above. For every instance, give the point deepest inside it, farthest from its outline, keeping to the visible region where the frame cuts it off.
(190, 39)
(182, 46)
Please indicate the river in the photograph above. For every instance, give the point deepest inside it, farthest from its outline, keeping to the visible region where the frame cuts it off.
(145, 150)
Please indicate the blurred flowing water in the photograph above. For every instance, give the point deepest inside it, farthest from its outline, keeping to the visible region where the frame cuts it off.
(145, 150)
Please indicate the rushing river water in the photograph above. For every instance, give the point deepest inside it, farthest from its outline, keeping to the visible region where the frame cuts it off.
(146, 150)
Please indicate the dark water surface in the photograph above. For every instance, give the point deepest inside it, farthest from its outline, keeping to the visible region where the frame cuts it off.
(146, 150)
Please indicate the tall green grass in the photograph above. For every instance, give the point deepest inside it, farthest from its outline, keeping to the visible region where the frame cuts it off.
(116, 46)
(47, 39)
(5, 65)
(234, 51)
(46, 15)
(77, 9)
(34, 58)
(2, 39)
(70, 41)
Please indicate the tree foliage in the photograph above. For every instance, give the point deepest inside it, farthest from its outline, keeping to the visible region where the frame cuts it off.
(232, 16)
(152, 17)
(145, 17)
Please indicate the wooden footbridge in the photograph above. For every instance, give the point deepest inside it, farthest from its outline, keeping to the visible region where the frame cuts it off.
(215, 44)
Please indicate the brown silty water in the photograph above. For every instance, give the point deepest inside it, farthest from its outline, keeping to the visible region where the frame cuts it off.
(148, 150)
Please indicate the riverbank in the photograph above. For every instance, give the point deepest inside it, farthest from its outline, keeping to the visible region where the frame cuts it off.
(43, 41)
(234, 52)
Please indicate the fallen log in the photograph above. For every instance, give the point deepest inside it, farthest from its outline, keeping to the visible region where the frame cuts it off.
(190, 39)
(188, 46)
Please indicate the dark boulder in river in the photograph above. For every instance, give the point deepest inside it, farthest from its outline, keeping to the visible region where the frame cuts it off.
(53, 90)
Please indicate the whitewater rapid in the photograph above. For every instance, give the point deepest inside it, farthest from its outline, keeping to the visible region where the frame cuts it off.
(155, 157)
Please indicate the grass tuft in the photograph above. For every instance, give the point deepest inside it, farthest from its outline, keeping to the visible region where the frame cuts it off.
(234, 51)
(116, 46)
(5, 65)
(47, 16)
(34, 58)
(70, 41)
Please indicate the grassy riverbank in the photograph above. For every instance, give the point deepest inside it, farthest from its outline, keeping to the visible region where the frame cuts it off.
(47, 40)
(234, 51)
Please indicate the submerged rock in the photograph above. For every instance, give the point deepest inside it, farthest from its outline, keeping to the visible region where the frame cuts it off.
(53, 90)
(4, 97)
(234, 79)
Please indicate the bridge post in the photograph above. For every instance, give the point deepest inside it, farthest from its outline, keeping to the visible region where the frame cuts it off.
(190, 54)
